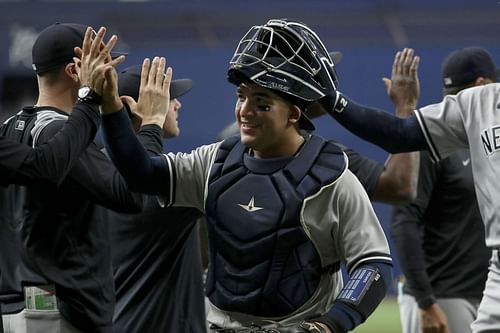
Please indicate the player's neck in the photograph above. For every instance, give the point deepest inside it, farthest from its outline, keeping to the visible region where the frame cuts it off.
(62, 99)
(289, 147)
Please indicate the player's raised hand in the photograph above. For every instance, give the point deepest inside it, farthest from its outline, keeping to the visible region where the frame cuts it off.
(93, 59)
(132, 105)
(403, 87)
(154, 91)
(111, 101)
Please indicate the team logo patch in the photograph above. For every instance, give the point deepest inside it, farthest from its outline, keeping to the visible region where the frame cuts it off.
(19, 125)
(251, 206)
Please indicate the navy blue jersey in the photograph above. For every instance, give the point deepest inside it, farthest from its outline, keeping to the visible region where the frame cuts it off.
(157, 270)
(12, 155)
(157, 263)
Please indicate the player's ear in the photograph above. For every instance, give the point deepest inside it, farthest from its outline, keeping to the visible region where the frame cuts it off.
(480, 81)
(294, 114)
(70, 71)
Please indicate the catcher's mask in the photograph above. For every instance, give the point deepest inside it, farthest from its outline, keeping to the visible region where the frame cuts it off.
(288, 57)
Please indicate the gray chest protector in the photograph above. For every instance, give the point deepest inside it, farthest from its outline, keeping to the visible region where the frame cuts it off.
(261, 261)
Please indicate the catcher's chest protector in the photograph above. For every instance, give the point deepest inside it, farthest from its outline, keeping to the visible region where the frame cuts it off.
(262, 262)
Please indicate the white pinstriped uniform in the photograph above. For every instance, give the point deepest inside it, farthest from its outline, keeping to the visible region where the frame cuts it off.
(471, 119)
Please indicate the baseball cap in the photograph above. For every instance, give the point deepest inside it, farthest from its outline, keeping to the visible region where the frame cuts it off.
(129, 82)
(55, 46)
(463, 66)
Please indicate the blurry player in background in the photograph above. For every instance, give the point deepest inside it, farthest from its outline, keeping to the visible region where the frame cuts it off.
(156, 253)
(440, 236)
(467, 120)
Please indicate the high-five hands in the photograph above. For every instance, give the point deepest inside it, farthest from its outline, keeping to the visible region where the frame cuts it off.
(403, 88)
(154, 92)
(93, 61)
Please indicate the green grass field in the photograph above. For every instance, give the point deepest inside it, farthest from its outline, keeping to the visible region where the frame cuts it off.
(385, 319)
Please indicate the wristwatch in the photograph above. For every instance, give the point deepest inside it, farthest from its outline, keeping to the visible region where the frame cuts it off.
(88, 95)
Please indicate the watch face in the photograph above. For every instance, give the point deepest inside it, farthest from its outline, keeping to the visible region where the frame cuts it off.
(83, 92)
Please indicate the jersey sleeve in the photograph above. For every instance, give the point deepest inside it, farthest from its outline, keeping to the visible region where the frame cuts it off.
(443, 125)
(51, 160)
(152, 139)
(189, 174)
(95, 177)
(358, 235)
(142, 172)
(391, 133)
(342, 223)
(12, 156)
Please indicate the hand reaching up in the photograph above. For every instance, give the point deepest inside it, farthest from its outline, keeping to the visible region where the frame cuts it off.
(95, 67)
(403, 88)
(154, 92)
(94, 58)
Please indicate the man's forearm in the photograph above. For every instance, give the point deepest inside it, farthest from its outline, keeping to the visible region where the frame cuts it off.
(391, 133)
(351, 308)
(399, 181)
(151, 138)
(142, 173)
(407, 240)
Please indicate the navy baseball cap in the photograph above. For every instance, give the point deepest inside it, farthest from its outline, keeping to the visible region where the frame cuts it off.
(129, 82)
(465, 65)
(55, 46)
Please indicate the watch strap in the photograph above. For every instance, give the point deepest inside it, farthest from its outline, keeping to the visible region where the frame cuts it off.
(91, 97)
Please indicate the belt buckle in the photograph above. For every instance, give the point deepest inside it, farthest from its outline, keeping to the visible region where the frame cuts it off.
(40, 298)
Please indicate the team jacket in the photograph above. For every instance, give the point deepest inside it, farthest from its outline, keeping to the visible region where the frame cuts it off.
(51, 162)
(157, 263)
(53, 234)
(302, 216)
(440, 235)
